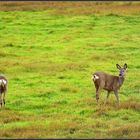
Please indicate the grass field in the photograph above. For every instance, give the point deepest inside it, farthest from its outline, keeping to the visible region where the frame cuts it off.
(49, 55)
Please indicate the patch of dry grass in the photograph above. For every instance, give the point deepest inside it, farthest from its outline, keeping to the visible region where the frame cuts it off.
(107, 57)
(74, 8)
(68, 88)
(7, 116)
(125, 131)
(130, 104)
(38, 131)
(28, 132)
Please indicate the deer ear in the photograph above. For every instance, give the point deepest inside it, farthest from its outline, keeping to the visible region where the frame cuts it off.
(125, 66)
(118, 66)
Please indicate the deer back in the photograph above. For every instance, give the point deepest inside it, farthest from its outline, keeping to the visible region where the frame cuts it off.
(106, 81)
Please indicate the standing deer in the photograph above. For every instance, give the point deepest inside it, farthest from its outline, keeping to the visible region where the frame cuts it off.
(3, 89)
(109, 82)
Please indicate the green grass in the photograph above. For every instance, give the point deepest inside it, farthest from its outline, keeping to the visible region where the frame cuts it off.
(48, 60)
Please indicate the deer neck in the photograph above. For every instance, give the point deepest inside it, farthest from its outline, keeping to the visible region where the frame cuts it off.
(121, 80)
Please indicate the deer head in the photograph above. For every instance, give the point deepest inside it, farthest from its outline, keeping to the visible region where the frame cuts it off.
(122, 70)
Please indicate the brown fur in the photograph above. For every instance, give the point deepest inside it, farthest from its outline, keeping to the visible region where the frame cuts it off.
(3, 90)
(109, 82)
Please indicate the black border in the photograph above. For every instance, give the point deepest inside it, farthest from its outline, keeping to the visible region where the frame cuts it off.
(73, 0)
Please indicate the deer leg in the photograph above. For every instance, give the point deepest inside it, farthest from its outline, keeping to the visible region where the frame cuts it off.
(97, 94)
(108, 93)
(1, 99)
(4, 98)
(117, 97)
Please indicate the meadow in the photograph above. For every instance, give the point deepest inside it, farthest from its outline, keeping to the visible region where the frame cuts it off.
(49, 51)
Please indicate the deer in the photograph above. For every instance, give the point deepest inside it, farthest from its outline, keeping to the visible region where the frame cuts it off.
(3, 89)
(109, 82)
